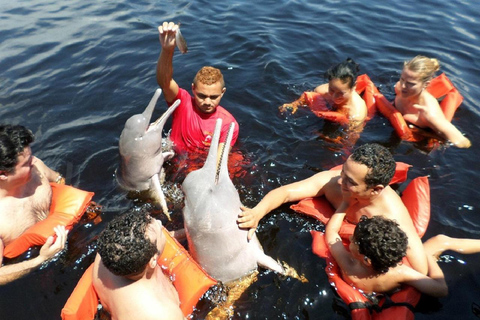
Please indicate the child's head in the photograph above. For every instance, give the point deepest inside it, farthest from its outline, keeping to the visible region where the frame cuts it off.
(381, 241)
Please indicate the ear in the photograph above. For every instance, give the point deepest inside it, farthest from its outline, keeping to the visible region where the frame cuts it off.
(193, 86)
(153, 261)
(376, 190)
(426, 84)
(3, 175)
(224, 89)
(367, 261)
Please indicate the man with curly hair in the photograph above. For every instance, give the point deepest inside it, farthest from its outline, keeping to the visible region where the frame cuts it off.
(25, 196)
(194, 119)
(126, 276)
(365, 177)
(377, 247)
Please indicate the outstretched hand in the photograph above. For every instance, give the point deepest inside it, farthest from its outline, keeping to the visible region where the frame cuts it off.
(288, 106)
(52, 246)
(167, 32)
(248, 219)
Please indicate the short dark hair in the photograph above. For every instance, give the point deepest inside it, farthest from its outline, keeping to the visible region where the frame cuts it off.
(124, 245)
(379, 161)
(382, 241)
(346, 71)
(13, 140)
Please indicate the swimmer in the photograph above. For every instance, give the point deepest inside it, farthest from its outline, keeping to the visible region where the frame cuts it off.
(126, 276)
(339, 93)
(418, 106)
(194, 119)
(377, 246)
(25, 197)
(365, 176)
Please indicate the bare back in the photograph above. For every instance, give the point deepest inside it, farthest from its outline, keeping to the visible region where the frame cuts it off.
(21, 212)
(151, 297)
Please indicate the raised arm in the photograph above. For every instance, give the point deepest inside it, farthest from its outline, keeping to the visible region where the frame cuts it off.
(310, 187)
(49, 249)
(165, 80)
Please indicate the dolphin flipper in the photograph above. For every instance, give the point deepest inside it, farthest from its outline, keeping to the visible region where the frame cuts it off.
(161, 197)
(268, 262)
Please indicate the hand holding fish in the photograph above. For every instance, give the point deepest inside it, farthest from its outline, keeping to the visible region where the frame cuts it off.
(170, 35)
(167, 32)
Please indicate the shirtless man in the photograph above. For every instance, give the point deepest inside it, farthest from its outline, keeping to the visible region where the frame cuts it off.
(126, 276)
(365, 175)
(377, 246)
(25, 196)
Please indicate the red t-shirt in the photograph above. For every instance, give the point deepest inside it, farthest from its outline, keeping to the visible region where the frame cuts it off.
(193, 130)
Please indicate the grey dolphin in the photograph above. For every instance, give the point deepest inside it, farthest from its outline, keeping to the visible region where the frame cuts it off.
(212, 205)
(141, 153)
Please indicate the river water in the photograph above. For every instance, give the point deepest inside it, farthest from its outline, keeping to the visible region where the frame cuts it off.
(74, 71)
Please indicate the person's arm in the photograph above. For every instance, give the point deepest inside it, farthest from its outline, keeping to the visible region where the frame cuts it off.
(310, 187)
(436, 120)
(338, 251)
(434, 284)
(165, 80)
(49, 249)
(51, 175)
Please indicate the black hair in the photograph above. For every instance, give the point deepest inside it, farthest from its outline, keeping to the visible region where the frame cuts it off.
(13, 140)
(124, 245)
(346, 71)
(382, 241)
(379, 161)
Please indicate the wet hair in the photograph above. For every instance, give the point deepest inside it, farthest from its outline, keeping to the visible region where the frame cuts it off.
(124, 245)
(13, 140)
(424, 66)
(378, 160)
(346, 71)
(382, 241)
(209, 75)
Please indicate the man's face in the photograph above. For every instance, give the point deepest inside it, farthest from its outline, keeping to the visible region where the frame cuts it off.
(23, 170)
(207, 97)
(352, 179)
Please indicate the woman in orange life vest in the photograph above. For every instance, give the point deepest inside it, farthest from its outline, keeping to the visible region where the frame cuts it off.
(418, 106)
(339, 94)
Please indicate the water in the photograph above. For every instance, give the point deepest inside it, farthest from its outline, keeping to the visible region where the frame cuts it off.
(75, 71)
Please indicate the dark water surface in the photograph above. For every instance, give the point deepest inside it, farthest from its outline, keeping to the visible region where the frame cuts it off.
(74, 71)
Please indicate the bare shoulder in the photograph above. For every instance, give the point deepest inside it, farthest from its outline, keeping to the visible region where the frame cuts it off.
(154, 309)
(322, 89)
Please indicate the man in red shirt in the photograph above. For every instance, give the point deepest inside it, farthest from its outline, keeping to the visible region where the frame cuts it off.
(194, 119)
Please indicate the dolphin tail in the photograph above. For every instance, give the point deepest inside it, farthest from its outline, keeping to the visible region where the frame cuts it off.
(161, 197)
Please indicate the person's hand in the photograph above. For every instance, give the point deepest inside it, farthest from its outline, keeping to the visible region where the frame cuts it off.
(53, 246)
(248, 219)
(167, 32)
(288, 106)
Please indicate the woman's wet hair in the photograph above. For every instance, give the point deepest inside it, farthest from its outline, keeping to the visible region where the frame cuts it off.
(382, 241)
(13, 140)
(424, 66)
(124, 245)
(346, 71)
(379, 161)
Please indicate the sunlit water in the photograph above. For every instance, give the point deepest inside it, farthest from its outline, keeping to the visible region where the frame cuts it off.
(74, 71)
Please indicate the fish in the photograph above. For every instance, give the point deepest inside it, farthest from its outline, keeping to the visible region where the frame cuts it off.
(181, 42)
